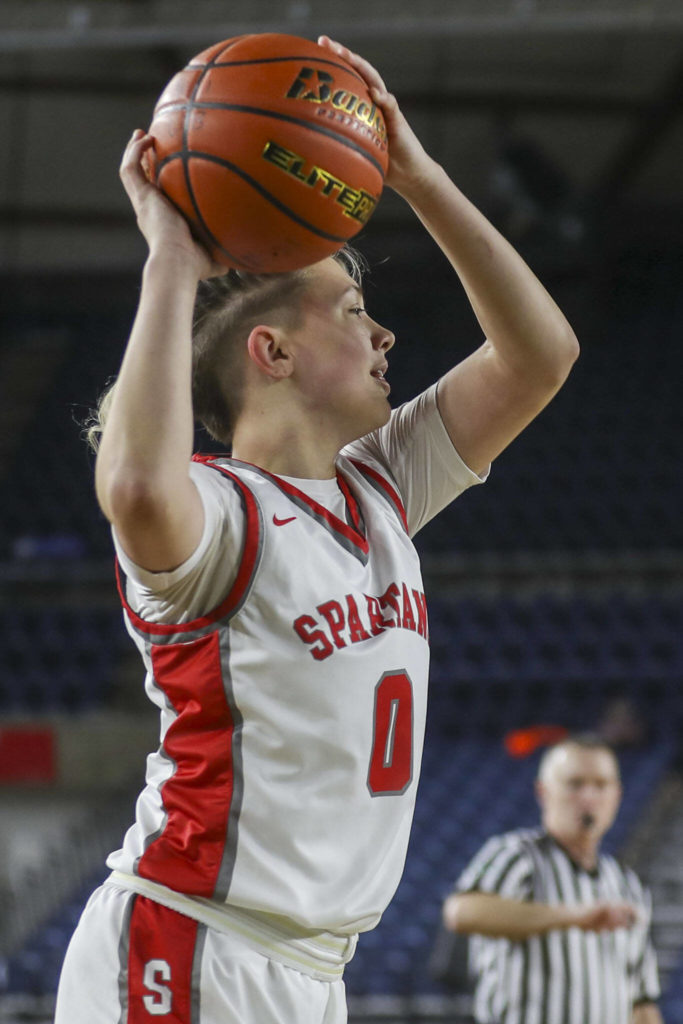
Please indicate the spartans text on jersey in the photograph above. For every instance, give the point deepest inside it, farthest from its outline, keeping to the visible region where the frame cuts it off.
(351, 620)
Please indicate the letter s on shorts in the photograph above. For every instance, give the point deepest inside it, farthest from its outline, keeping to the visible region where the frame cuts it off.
(160, 1002)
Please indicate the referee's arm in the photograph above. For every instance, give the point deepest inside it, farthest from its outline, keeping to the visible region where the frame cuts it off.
(499, 917)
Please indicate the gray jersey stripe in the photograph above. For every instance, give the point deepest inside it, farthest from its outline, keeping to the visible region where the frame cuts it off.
(196, 978)
(124, 949)
(232, 826)
(379, 489)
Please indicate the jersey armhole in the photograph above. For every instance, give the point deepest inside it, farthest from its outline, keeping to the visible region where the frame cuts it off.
(249, 562)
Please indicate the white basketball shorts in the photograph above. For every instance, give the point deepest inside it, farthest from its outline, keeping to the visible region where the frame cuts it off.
(133, 961)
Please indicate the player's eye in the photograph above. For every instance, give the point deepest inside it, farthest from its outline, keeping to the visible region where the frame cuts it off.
(357, 310)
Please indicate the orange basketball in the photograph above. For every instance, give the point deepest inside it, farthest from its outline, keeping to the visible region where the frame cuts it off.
(273, 150)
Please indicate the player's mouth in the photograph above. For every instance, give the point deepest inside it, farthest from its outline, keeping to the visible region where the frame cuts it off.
(378, 374)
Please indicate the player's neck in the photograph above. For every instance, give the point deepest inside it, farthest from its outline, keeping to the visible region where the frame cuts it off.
(286, 450)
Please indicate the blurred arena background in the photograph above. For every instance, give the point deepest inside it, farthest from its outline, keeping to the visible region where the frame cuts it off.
(555, 591)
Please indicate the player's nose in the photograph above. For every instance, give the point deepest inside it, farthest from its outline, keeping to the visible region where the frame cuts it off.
(382, 338)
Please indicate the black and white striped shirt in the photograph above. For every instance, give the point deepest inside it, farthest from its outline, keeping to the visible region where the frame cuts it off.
(566, 976)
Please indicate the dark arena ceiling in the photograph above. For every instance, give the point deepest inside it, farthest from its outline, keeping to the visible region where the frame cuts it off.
(553, 115)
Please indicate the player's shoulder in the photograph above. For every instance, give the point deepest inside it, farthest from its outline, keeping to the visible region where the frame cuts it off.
(216, 464)
(364, 462)
(224, 473)
(418, 415)
(210, 467)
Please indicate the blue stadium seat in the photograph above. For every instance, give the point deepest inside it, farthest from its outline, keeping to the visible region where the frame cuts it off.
(58, 660)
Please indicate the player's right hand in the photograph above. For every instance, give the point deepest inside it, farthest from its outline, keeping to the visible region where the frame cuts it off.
(165, 230)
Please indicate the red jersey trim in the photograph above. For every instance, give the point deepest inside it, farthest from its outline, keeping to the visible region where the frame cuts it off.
(352, 506)
(390, 492)
(245, 572)
(202, 796)
(354, 535)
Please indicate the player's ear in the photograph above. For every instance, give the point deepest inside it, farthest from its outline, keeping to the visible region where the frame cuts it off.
(268, 350)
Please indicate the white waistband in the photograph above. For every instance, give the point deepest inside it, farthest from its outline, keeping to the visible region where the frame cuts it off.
(321, 955)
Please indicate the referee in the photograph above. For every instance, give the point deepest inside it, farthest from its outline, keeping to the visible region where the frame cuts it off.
(560, 930)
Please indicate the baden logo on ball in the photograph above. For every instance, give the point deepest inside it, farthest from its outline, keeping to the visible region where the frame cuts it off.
(271, 147)
(339, 101)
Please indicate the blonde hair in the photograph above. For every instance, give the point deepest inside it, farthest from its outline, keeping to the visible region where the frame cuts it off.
(226, 309)
(97, 417)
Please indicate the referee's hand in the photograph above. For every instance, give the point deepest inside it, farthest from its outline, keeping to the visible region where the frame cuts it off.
(606, 917)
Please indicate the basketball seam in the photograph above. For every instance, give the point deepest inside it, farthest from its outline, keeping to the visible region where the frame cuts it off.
(198, 154)
(261, 112)
(228, 45)
(186, 170)
(275, 60)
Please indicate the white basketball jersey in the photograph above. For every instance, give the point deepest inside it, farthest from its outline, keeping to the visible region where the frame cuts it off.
(293, 714)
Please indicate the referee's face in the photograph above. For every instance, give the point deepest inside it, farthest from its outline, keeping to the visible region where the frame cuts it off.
(579, 793)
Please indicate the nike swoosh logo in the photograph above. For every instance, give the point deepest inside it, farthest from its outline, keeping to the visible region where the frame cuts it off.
(283, 522)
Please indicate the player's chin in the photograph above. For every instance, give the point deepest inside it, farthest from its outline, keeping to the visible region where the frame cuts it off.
(384, 412)
(372, 418)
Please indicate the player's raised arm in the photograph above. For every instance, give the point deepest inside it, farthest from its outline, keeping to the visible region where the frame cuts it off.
(489, 397)
(142, 478)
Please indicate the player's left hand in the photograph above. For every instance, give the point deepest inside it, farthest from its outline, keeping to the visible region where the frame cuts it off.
(407, 157)
(164, 229)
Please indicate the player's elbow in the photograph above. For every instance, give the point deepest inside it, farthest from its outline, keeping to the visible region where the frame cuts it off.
(551, 366)
(128, 497)
(562, 356)
(569, 348)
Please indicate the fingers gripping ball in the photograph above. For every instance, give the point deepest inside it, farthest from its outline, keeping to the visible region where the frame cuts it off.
(272, 148)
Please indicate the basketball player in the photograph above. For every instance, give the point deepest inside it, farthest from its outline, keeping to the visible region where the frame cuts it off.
(277, 602)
